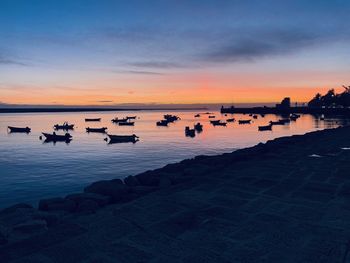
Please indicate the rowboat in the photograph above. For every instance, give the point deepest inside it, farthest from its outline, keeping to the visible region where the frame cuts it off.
(230, 120)
(190, 132)
(57, 138)
(214, 122)
(211, 117)
(265, 128)
(99, 130)
(198, 127)
(17, 129)
(219, 123)
(197, 115)
(131, 117)
(244, 121)
(122, 138)
(255, 116)
(126, 123)
(171, 118)
(64, 126)
(279, 122)
(162, 123)
(116, 120)
(92, 119)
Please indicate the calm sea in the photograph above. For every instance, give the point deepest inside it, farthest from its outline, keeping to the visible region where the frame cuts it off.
(31, 170)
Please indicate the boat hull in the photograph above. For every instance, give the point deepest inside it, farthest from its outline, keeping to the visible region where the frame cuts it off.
(57, 138)
(19, 130)
(93, 120)
(96, 130)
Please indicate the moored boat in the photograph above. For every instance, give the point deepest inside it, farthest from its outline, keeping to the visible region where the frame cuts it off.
(244, 121)
(18, 129)
(131, 117)
(190, 132)
(265, 128)
(162, 123)
(211, 117)
(117, 120)
(64, 126)
(197, 115)
(92, 119)
(219, 123)
(99, 130)
(122, 138)
(127, 123)
(57, 138)
(230, 120)
(214, 121)
(198, 127)
(171, 118)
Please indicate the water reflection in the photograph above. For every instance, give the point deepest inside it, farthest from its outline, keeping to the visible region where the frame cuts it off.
(31, 169)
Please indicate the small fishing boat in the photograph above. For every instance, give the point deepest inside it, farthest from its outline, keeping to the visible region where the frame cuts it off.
(131, 117)
(127, 123)
(92, 119)
(198, 127)
(57, 138)
(279, 122)
(117, 120)
(99, 130)
(265, 128)
(162, 123)
(171, 118)
(255, 116)
(64, 126)
(244, 121)
(211, 117)
(190, 132)
(18, 129)
(214, 122)
(122, 138)
(219, 123)
(197, 115)
(230, 120)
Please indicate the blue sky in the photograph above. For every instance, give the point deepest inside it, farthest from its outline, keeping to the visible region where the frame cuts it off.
(133, 49)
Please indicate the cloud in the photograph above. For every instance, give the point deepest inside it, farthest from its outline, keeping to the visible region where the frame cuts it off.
(141, 72)
(261, 44)
(157, 64)
(5, 60)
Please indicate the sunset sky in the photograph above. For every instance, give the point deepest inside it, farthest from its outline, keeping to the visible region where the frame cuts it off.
(84, 52)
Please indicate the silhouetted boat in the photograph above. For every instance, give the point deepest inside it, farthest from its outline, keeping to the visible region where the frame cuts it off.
(92, 119)
(171, 118)
(230, 120)
(18, 129)
(64, 126)
(162, 123)
(198, 127)
(128, 123)
(131, 117)
(123, 138)
(255, 116)
(219, 123)
(57, 138)
(214, 121)
(211, 117)
(117, 120)
(197, 115)
(265, 128)
(190, 132)
(280, 122)
(244, 121)
(99, 130)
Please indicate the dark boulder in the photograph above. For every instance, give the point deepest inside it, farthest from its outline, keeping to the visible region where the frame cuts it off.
(87, 206)
(115, 189)
(131, 181)
(30, 227)
(149, 178)
(13, 208)
(57, 204)
(100, 200)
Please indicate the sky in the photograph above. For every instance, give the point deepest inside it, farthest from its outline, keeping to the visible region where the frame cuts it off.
(89, 52)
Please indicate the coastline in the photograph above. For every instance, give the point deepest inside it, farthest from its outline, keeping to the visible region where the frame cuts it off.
(290, 193)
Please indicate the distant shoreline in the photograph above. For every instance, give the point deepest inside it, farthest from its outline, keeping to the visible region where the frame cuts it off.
(41, 110)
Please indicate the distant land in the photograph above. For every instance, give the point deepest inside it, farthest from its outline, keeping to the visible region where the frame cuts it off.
(17, 108)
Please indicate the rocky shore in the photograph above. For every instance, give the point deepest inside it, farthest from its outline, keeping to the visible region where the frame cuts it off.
(287, 200)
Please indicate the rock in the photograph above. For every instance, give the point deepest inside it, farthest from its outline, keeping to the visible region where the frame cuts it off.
(114, 189)
(56, 204)
(3, 238)
(164, 182)
(101, 200)
(87, 206)
(148, 178)
(13, 208)
(30, 227)
(131, 181)
(142, 190)
(50, 218)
